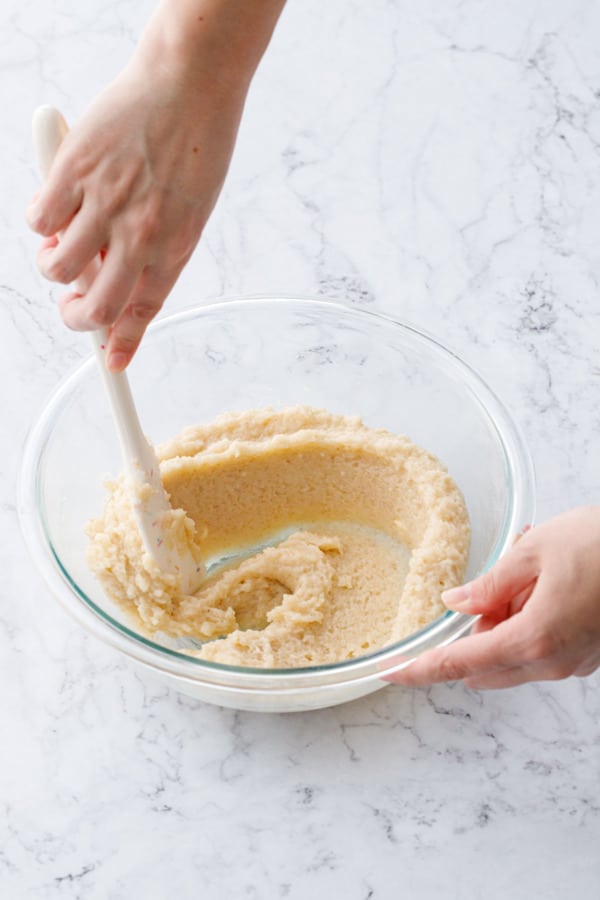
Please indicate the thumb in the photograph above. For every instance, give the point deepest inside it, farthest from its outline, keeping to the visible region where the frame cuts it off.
(497, 587)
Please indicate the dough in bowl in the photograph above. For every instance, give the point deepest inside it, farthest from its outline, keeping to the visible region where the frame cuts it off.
(324, 540)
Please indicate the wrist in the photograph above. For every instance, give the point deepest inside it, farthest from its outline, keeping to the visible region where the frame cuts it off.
(217, 42)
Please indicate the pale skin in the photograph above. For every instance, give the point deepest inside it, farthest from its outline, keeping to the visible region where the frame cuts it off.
(136, 180)
(138, 176)
(539, 608)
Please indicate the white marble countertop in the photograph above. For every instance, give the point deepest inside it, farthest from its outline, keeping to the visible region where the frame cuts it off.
(436, 161)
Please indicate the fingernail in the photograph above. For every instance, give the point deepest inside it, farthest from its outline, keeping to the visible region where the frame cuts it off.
(116, 361)
(457, 598)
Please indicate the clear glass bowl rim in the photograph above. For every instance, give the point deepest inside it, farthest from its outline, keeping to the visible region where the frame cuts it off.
(373, 666)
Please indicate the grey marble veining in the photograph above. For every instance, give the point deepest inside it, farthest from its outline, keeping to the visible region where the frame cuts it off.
(436, 162)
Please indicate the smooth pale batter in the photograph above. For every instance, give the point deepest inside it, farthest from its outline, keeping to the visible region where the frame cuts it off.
(366, 530)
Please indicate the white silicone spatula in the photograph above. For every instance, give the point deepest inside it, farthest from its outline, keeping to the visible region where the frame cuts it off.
(140, 462)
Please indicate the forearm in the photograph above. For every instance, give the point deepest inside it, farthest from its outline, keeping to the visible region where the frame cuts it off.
(220, 40)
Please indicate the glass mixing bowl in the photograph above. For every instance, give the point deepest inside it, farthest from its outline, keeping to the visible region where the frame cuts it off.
(249, 353)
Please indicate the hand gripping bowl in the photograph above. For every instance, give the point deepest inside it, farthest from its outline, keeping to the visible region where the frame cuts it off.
(250, 353)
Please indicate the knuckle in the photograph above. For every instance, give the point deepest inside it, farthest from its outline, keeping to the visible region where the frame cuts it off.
(149, 226)
(179, 250)
(101, 316)
(37, 222)
(57, 269)
(39, 219)
(176, 257)
(144, 228)
(485, 589)
(143, 311)
(123, 343)
(108, 205)
(69, 323)
(113, 193)
(449, 669)
(524, 557)
(526, 554)
(71, 316)
(46, 227)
